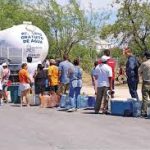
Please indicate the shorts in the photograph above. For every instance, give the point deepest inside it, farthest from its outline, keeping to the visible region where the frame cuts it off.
(54, 88)
(24, 86)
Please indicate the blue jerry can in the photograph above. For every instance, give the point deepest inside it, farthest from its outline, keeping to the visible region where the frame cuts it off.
(82, 101)
(91, 101)
(64, 101)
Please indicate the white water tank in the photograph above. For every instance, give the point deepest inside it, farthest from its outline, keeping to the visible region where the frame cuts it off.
(21, 41)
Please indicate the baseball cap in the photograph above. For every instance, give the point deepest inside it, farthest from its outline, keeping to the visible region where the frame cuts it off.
(4, 64)
(52, 61)
(104, 58)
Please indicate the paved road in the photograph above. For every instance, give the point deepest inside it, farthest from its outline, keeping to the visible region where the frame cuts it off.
(37, 128)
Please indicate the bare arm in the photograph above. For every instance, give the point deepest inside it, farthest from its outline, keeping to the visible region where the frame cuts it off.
(110, 83)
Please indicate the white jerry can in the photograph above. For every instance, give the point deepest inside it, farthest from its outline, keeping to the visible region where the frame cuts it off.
(148, 110)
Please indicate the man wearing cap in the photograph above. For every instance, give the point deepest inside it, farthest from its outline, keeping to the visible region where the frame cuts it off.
(103, 74)
(132, 65)
(5, 72)
(144, 70)
(5, 78)
(112, 63)
(53, 75)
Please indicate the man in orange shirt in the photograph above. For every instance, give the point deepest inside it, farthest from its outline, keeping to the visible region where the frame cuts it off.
(53, 75)
(24, 86)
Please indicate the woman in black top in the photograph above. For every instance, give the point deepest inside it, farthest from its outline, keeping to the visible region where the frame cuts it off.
(40, 80)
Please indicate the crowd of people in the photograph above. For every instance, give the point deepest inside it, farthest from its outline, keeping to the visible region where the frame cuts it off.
(62, 78)
(65, 77)
(103, 76)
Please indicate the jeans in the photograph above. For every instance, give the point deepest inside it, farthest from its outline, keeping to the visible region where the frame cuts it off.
(73, 95)
(133, 84)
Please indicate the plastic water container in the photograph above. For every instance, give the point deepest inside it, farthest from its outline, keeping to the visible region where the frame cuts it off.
(136, 107)
(91, 101)
(64, 101)
(121, 107)
(109, 106)
(34, 100)
(148, 110)
(1, 102)
(8, 96)
(82, 101)
(14, 90)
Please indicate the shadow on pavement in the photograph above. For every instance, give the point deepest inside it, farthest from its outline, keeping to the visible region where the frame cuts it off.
(15, 105)
(90, 113)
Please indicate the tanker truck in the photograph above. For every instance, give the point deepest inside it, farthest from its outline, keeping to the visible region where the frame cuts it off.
(21, 41)
(16, 44)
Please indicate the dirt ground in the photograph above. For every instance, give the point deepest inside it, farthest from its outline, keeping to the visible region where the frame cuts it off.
(121, 90)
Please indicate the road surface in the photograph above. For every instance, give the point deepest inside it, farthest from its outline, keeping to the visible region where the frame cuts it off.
(37, 128)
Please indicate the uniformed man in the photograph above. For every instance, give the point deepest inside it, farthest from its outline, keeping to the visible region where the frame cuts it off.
(132, 73)
(144, 70)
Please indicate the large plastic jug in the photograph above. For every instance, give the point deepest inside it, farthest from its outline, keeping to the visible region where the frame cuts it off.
(148, 110)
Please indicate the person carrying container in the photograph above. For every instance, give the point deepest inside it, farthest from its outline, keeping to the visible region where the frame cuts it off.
(112, 63)
(103, 74)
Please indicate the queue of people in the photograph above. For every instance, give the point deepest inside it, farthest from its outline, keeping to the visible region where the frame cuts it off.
(62, 78)
(103, 75)
(66, 78)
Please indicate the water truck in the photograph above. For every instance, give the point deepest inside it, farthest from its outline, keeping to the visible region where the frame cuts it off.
(21, 41)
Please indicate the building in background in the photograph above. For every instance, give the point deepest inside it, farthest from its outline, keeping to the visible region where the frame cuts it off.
(102, 44)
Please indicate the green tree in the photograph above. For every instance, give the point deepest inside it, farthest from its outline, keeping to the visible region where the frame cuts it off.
(69, 25)
(85, 55)
(132, 26)
(118, 55)
(13, 12)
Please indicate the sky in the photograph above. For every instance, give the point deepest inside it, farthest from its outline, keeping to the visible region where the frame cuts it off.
(97, 4)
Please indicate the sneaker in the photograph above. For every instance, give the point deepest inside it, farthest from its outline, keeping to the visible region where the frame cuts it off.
(1, 102)
(101, 112)
(61, 109)
(71, 110)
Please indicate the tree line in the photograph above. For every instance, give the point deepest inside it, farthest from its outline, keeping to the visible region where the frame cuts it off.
(72, 30)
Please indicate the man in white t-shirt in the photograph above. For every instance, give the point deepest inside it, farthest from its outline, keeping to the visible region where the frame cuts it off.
(103, 74)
